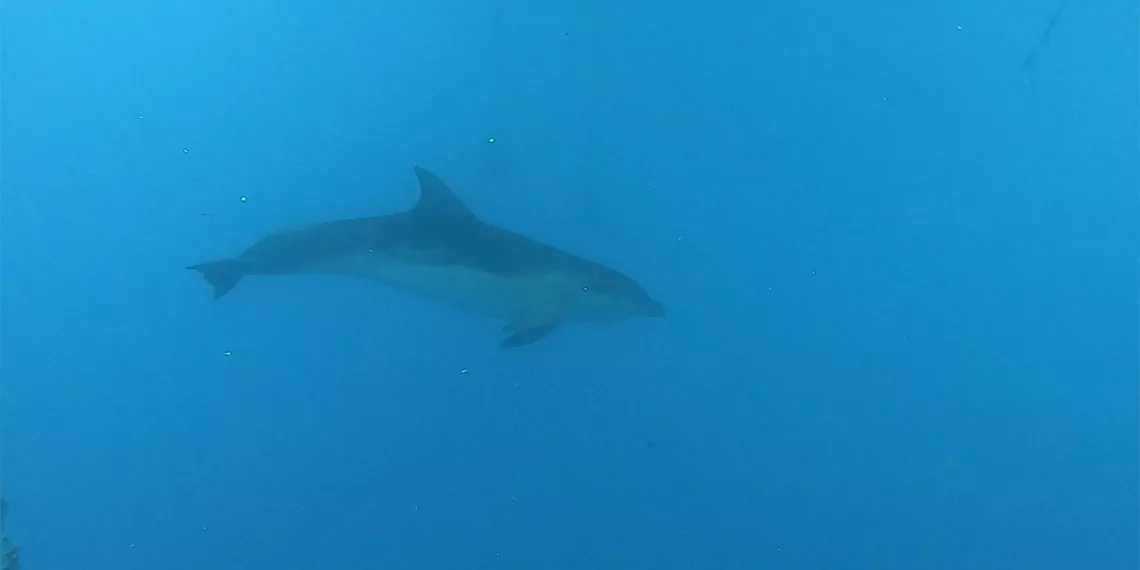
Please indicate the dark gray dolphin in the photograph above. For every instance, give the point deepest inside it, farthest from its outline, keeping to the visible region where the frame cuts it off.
(442, 250)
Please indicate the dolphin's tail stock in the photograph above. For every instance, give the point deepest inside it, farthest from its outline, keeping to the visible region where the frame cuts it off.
(223, 275)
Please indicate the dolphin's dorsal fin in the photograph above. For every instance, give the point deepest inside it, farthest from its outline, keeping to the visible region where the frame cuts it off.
(437, 201)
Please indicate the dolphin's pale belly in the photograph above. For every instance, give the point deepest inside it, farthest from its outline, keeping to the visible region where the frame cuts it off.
(465, 287)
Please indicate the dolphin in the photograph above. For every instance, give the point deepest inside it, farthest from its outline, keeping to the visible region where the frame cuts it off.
(441, 250)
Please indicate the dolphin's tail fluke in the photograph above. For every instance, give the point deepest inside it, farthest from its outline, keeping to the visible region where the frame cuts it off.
(223, 275)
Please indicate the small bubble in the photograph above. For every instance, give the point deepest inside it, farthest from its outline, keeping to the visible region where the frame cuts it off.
(491, 140)
(141, 116)
(244, 199)
(463, 371)
(959, 28)
(228, 353)
(185, 151)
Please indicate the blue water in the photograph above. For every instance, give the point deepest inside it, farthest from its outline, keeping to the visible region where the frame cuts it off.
(900, 267)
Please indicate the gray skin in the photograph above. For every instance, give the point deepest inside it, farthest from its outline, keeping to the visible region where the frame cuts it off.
(440, 249)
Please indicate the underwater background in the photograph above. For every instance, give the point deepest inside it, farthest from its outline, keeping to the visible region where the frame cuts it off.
(897, 243)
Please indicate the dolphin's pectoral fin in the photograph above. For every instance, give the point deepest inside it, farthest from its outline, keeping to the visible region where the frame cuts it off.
(525, 336)
(528, 329)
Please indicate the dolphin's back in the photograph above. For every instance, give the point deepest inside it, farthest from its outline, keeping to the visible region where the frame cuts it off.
(300, 249)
